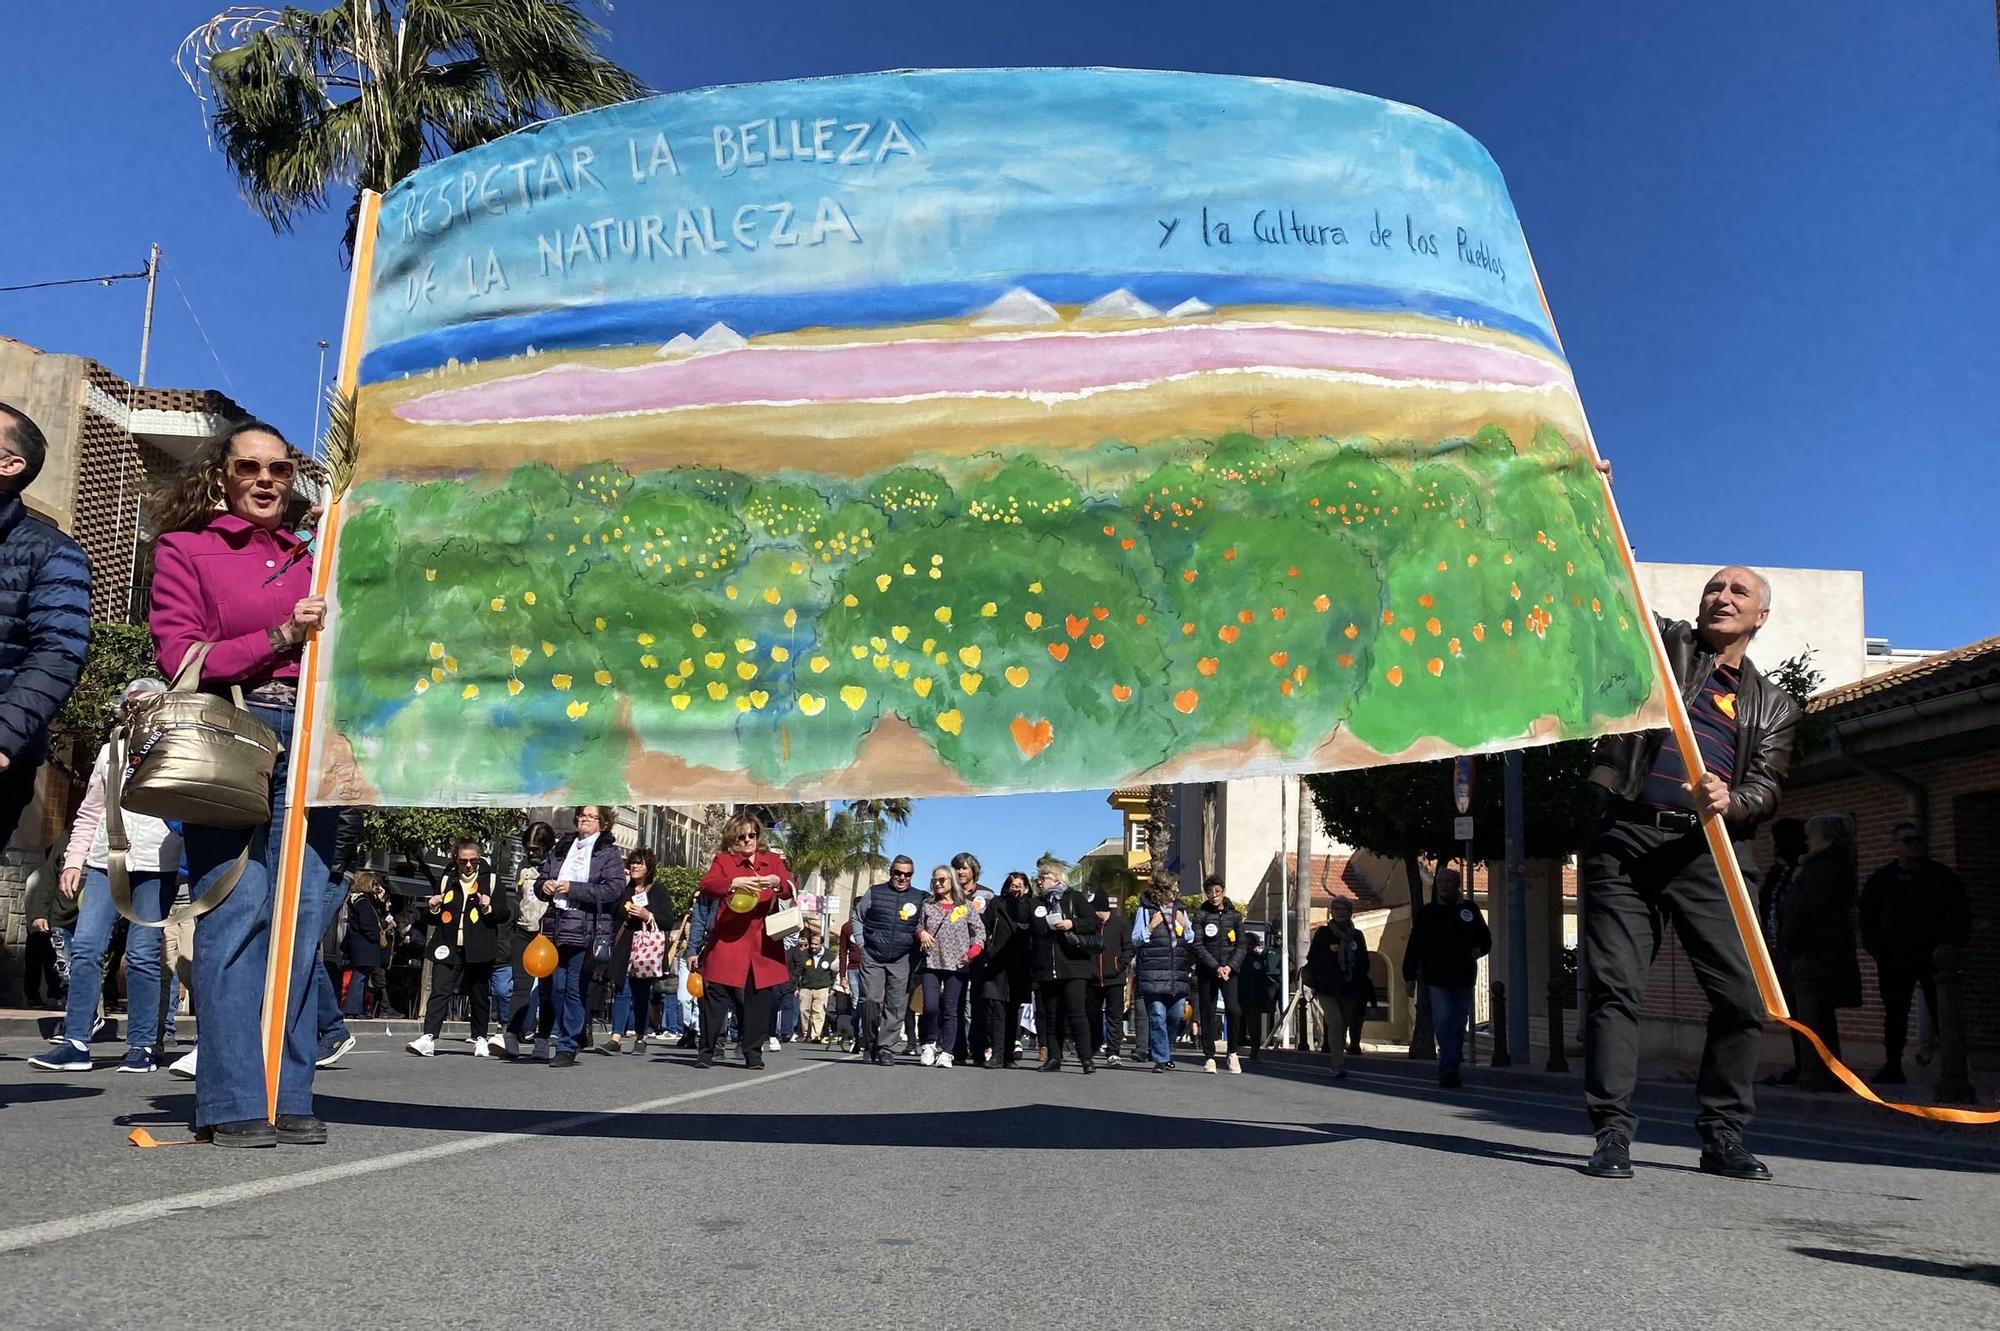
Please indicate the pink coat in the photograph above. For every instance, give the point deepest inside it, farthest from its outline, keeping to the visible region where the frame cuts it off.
(210, 586)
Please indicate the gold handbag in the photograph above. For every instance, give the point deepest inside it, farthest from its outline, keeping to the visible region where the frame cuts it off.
(193, 757)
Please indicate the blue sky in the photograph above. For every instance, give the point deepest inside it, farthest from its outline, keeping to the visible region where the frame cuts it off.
(1766, 232)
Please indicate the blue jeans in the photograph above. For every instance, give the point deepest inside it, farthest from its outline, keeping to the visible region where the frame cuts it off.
(788, 1015)
(566, 990)
(632, 1007)
(232, 952)
(95, 917)
(332, 1030)
(501, 986)
(1159, 1028)
(1450, 1009)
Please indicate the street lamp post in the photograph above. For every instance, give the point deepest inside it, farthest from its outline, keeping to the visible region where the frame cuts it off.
(319, 396)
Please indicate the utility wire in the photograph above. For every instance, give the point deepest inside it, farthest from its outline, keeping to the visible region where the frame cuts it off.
(106, 280)
(203, 331)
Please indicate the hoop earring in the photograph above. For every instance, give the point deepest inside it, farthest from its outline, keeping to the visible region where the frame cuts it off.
(216, 499)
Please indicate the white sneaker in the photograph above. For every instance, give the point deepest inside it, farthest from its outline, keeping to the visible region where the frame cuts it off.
(1208, 1066)
(1235, 1066)
(944, 1060)
(771, 1044)
(1111, 1061)
(423, 1047)
(928, 1055)
(512, 1044)
(479, 1047)
(542, 1050)
(184, 1065)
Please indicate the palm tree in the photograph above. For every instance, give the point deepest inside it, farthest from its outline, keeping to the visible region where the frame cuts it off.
(307, 105)
(874, 818)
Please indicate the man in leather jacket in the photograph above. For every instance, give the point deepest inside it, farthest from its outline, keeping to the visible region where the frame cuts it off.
(1649, 860)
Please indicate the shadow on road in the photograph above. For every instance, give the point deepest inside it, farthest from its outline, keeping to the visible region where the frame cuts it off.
(1667, 1112)
(1981, 1273)
(31, 1093)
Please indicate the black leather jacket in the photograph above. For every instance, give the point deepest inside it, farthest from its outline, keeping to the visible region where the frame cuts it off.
(1766, 718)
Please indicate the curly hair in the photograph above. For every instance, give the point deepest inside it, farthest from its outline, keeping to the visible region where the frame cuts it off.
(190, 499)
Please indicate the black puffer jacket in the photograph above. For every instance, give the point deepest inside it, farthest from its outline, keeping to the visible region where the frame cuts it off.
(1004, 968)
(1219, 939)
(44, 627)
(1164, 956)
(1446, 943)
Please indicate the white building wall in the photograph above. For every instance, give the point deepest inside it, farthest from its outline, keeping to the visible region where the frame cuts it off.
(1810, 607)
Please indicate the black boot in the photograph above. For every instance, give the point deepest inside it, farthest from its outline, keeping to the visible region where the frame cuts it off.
(1613, 1156)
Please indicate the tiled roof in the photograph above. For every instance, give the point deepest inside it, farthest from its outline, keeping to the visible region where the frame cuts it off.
(1947, 672)
(1330, 876)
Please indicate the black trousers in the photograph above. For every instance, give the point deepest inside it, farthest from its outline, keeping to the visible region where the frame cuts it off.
(1207, 989)
(1060, 1008)
(1635, 878)
(1002, 1033)
(972, 1032)
(752, 1007)
(454, 978)
(1104, 1005)
(1898, 985)
(40, 971)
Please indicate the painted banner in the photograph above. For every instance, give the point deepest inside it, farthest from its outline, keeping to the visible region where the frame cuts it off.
(969, 431)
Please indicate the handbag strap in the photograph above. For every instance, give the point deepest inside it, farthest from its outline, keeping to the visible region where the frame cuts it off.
(118, 845)
(188, 678)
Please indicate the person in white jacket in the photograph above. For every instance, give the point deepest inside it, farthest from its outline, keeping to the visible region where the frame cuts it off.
(153, 864)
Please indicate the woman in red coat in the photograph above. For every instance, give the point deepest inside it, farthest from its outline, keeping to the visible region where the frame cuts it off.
(742, 966)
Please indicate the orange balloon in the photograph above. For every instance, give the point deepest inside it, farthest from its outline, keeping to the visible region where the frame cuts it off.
(694, 984)
(540, 958)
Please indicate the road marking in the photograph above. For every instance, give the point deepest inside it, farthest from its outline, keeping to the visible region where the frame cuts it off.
(209, 1199)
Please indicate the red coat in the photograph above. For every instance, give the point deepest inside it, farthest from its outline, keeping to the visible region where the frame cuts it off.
(738, 950)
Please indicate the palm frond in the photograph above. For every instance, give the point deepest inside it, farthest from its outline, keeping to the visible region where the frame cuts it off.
(339, 452)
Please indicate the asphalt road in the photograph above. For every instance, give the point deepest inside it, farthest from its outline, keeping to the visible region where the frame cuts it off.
(826, 1194)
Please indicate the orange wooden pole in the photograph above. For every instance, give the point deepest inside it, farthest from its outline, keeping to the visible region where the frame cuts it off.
(291, 868)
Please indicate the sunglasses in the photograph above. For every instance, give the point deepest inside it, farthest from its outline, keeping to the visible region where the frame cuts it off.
(468, 864)
(746, 836)
(902, 873)
(249, 469)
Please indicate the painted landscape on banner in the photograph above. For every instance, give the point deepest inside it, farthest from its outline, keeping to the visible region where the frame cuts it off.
(962, 431)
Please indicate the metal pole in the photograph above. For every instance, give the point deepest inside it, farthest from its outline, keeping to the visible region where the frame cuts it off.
(319, 396)
(1301, 923)
(1284, 918)
(1515, 817)
(146, 332)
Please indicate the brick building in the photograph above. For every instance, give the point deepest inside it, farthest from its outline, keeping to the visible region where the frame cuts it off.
(110, 445)
(1919, 742)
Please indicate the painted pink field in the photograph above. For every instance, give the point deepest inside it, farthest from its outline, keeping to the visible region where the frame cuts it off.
(1053, 363)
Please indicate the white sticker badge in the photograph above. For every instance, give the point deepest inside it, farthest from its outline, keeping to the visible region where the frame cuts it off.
(1209, 931)
(441, 952)
(1041, 912)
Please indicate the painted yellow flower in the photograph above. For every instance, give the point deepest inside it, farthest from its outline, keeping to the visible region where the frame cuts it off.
(942, 614)
(909, 570)
(781, 654)
(901, 633)
(437, 651)
(497, 604)
(680, 702)
(969, 656)
(714, 660)
(854, 695)
(645, 640)
(850, 600)
(517, 655)
(451, 664)
(576, 710)
(942, 659)
(548, 649)
(746, 670)
(988, 610)
(437, 674)
(650, 661)
(859, 650)
(791, 619)
(1017, 675)
(902, 670)
(879, 644)
(1035, 587)
(529, 597)
(560, 681)
(600, 623)
(513, 687)
(951, 722)
(970, 681)
(882, 581)
(603, 678)
(717, 690)
(423, 685)
(923, 686)
(742, 703)
(470, 692)
(730, 592)
(771, 593)
(758, 698)
(698, 629)
(686, 667)
(430, 575)
(930, 645)
(818, 665)
(811, 704)
(746, 644)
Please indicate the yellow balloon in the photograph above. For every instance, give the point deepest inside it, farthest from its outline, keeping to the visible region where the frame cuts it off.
(743, 900)
(695, 985)
(540, 958)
